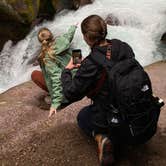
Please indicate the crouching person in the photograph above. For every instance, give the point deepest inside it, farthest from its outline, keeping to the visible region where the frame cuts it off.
(123, 110)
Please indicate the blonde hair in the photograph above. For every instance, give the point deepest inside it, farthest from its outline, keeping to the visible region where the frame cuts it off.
(95, 28)
(45, 37)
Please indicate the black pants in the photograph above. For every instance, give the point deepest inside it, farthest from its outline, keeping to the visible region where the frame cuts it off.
(84, 120)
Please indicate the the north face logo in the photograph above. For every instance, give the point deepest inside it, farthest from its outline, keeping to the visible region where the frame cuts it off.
(145, 88)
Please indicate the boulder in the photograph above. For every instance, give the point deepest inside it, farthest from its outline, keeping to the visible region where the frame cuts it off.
(84, 2)
(163, 38)
(112, 20)
(15, 18)
(29, 137)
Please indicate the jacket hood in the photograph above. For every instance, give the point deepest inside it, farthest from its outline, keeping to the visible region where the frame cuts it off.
(119, 50)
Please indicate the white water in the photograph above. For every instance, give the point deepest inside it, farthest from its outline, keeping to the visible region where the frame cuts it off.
(141, 25)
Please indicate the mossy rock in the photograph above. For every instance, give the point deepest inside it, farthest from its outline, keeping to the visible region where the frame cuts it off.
(66, 4)
(16, 17)
(26, 9)
(53, 6)
(7, 13)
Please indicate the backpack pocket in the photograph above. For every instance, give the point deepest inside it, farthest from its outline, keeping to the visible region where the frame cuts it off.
(145, 121)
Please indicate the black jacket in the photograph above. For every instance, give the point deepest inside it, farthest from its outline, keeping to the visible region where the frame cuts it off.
(90, 72)
(85, 80)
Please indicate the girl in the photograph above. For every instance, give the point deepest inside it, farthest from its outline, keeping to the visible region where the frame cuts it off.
(54, 56)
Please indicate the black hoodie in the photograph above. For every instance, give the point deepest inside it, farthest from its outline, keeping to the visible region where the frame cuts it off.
(90, 72)
(85, 80)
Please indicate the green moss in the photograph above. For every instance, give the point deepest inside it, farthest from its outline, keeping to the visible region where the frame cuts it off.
(33, 7)
(27, 9)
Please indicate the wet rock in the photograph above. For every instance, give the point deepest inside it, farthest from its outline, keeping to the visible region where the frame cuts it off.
(84, 2)
(66, 4)
(163, 38)
(112, 20)
(15, 18)
(115, 20)
(28, 137)
(20, 10)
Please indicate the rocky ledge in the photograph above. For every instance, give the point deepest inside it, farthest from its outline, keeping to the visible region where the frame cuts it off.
(28, 137)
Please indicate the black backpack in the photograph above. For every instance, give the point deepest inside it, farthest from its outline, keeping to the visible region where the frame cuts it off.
(131, 99)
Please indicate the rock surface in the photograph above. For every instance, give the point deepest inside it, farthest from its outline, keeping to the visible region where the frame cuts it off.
(29, 138)
(112, 20)
(163, 38)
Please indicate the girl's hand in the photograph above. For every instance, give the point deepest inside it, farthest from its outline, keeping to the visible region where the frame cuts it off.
(52, 112)
(71, 66)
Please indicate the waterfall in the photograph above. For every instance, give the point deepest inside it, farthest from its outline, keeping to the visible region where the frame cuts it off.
(141, 24)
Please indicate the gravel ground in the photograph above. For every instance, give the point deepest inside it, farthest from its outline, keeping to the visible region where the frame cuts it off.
(29, 138)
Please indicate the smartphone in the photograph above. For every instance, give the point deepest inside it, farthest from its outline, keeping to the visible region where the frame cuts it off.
(77, 56)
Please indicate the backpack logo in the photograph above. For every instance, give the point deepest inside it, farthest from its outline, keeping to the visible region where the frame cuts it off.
(145, 88)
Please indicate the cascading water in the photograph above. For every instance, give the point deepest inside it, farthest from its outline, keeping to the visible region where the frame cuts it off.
(141, 24)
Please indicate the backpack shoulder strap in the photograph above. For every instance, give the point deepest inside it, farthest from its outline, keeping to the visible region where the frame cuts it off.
(101, 60)
(102, 79)
(108, 53)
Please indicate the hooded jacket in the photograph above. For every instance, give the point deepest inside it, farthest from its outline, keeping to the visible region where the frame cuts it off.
(85, 80)
(52, 69)
(90, 72)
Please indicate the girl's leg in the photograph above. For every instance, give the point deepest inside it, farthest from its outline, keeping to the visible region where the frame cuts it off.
(38, 79)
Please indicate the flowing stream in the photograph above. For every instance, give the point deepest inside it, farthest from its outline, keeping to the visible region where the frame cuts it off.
(141, 24)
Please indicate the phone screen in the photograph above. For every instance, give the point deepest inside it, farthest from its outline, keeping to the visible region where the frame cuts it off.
(77, 56)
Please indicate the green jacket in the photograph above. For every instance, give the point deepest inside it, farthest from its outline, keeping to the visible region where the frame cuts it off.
(52, 69)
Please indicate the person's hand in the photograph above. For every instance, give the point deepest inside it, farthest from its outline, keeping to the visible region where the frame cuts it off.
(52, 112)
(71, 66)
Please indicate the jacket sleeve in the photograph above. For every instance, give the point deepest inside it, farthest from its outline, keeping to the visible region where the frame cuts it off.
(55, 90)
(77, 87)
(63, 42)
